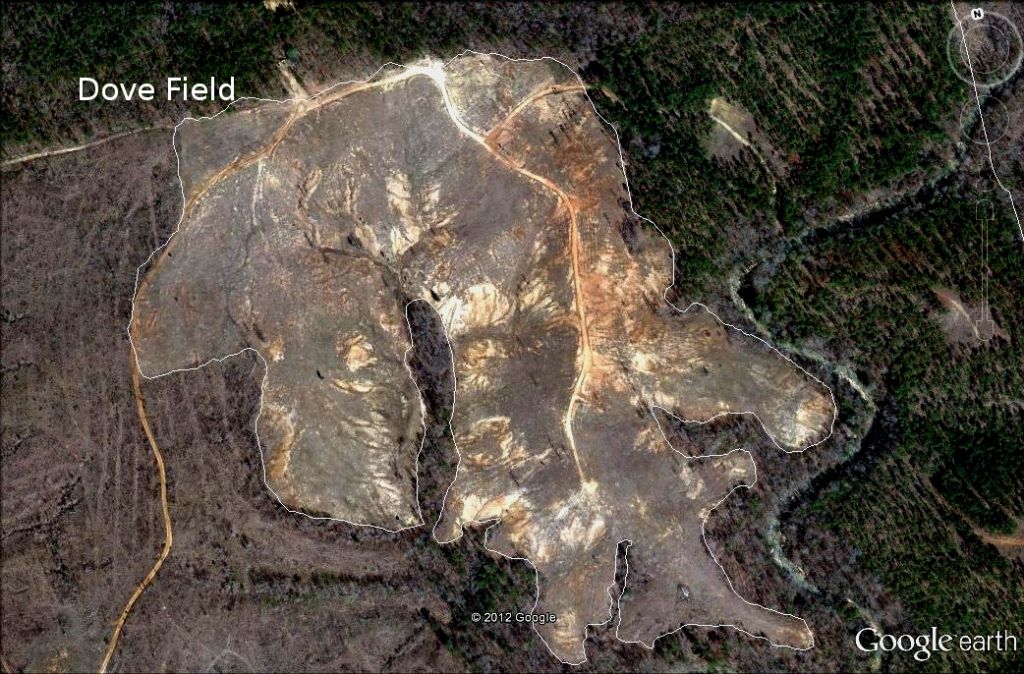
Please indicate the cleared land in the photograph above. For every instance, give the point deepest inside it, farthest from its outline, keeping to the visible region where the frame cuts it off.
(490, 190)
(860, 102)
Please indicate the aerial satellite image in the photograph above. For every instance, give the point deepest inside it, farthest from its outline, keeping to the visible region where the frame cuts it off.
(512, 337)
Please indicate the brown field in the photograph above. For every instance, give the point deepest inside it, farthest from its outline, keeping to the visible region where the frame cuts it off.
(489, 190)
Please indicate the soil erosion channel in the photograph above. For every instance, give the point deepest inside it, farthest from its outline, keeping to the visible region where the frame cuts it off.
(490, 189)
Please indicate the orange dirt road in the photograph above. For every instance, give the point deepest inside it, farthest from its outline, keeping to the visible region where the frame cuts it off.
(140, 408)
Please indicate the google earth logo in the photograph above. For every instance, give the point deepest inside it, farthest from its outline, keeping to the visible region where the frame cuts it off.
(923, 645)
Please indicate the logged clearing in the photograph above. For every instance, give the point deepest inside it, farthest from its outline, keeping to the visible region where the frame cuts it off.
(964, 323)
(490, 190)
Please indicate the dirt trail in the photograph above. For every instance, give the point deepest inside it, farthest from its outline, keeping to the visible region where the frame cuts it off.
(949, 299)
(1000, 541)
(492, 134)
(745, 143)
(1009, 541)
(140, 408)
(290, 82)
(436, 73)
(303, 107)
(83, 146)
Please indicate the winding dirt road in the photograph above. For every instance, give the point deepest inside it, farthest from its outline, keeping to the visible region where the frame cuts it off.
(434, 72)
(140, 408)
(83, 146)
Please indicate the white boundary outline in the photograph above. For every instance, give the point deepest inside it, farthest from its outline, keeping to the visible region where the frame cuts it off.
(981, 115)
(703, 535)
(494, 522)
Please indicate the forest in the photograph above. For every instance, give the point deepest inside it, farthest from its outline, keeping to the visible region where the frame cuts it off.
(852, 243)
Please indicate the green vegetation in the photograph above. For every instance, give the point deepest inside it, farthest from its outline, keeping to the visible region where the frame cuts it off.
(48, 46)
(810, 75)
(869, 292)
(821, 82)
(945, 463)
(807, 75)
(499, 586)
